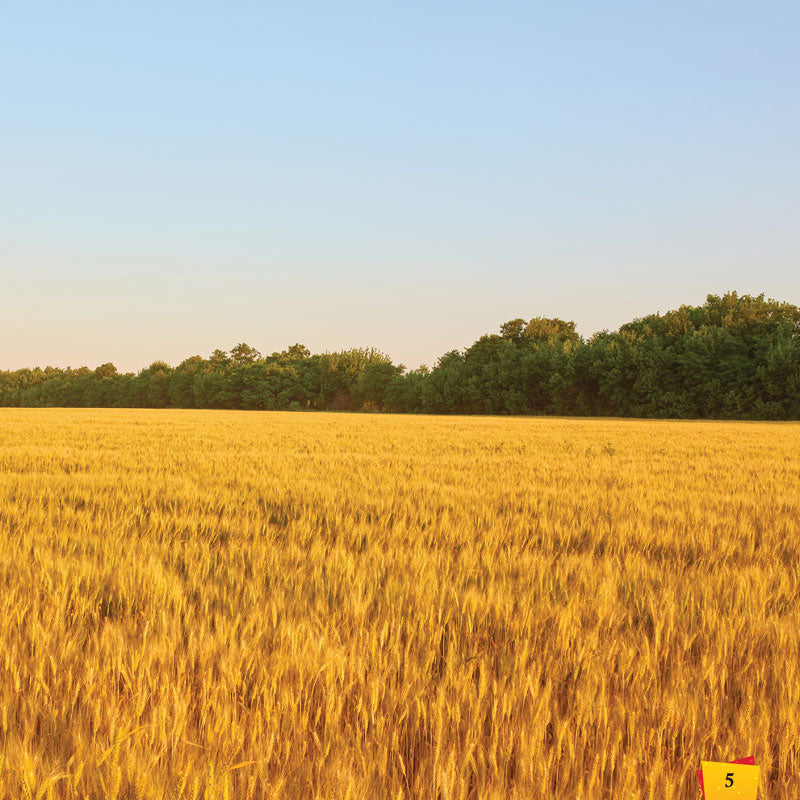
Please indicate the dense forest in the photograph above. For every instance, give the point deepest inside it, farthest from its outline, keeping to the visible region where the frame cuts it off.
(734, 357)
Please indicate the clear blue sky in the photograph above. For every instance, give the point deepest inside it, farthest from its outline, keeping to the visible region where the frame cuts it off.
(176, 177)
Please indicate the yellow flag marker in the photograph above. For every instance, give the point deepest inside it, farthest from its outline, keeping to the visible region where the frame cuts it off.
(729, 781)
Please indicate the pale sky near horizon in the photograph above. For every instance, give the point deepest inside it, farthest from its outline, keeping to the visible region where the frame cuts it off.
(176, 177)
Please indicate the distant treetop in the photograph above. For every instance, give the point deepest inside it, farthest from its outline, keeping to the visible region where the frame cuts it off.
(734, 357)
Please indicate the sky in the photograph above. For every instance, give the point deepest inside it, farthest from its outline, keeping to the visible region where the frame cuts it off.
(177, 177)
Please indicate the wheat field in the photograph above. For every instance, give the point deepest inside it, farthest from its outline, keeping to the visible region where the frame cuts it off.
(201, 604)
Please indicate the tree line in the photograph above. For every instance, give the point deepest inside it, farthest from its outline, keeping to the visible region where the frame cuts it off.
(734, 357)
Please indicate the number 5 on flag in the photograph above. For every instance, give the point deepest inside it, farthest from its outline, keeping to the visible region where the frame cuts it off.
(722, 781)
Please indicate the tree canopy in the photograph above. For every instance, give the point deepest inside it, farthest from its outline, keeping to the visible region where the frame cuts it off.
(734, 357)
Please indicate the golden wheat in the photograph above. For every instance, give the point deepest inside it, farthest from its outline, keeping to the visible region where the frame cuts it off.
(264, 605)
